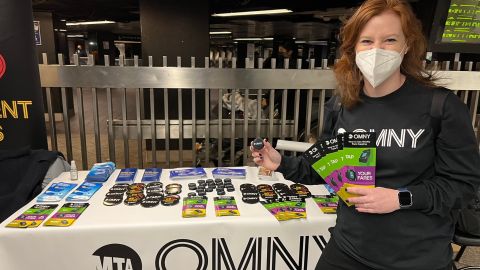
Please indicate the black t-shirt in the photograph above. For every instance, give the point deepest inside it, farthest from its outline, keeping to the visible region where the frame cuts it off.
(442, 174)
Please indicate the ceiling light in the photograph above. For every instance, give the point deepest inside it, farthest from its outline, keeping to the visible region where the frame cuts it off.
(88, 23)
(253, 38)
(251, 13)
(126, 41)
(220, 33)
(75, 36)
(245, 39)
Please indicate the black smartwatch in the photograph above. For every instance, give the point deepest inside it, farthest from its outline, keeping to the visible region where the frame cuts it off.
(405, 198)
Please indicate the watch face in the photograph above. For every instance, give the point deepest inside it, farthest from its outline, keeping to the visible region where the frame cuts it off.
(405, 198)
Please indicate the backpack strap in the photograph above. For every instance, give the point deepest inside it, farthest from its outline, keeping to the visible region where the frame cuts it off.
(337, 105)
(332, 109)
(436, 110)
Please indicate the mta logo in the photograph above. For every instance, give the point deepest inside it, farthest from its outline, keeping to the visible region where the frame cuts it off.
(117, 257)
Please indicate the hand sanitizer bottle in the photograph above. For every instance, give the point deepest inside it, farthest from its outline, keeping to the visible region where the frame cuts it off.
(73, 171)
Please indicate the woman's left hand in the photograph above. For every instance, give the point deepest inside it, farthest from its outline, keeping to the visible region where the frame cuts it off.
(374, 200)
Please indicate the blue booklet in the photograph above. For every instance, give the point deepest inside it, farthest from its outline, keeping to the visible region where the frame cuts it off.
(152, 175)
(56, 192)
(127, 175)
(84, 192)
(100, 172)
(187, 173)
(229, 173)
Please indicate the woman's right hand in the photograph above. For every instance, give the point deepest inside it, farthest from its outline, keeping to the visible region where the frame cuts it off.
(267, 157)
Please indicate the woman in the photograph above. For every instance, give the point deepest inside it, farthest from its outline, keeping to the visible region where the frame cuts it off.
(384, 88)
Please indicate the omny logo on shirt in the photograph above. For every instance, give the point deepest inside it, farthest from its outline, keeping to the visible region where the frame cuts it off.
(388, 137)
(3, 66)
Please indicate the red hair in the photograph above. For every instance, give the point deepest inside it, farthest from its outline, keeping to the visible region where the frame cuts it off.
(348, 75)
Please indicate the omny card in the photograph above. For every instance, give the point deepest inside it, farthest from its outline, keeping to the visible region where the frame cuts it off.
(195, 206)
(67, 215)
(84, 192)
(225, 206)
(56, 192)
(33, 217)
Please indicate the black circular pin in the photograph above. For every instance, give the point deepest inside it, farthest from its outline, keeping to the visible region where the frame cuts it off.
(114, 194)
(250, 199)
(151, 201)
(121, 185)
(258, 144)
(134, 199)
(170, 200)
(155, 185)
(118, 189)
(111, 201)
(154, 189)
(247, 186)
(137, 186)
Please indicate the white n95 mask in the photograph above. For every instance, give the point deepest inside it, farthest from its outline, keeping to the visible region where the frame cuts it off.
(377, 65)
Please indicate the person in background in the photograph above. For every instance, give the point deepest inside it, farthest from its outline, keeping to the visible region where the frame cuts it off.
(80, 51)
(287, 49)
(383, 87)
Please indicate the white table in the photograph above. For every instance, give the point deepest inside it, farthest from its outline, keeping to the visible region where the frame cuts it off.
(162, 239)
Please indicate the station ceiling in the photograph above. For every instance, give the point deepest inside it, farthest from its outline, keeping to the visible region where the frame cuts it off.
(310, 19)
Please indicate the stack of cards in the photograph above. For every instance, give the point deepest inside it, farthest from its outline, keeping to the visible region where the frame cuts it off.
(126, 175)
(347, 160)
(151, 175)
(135, 194)
(67, 215)
(191, 173)
(154, 195)
(249, 193)
(195, 206)
(327, 203)
(225, 206)
(56, 192)
(115, 194)
(33, 217)
(229, 173)
(84, 192)
(265, 174)
(100, 172)
(296, 208)
(286, 209)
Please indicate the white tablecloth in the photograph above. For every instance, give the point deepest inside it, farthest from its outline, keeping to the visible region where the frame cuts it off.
(161, 239)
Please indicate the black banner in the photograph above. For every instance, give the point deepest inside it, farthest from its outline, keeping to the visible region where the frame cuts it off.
(22, 120)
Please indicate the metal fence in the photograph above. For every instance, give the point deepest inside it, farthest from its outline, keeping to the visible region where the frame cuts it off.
(229, 124)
